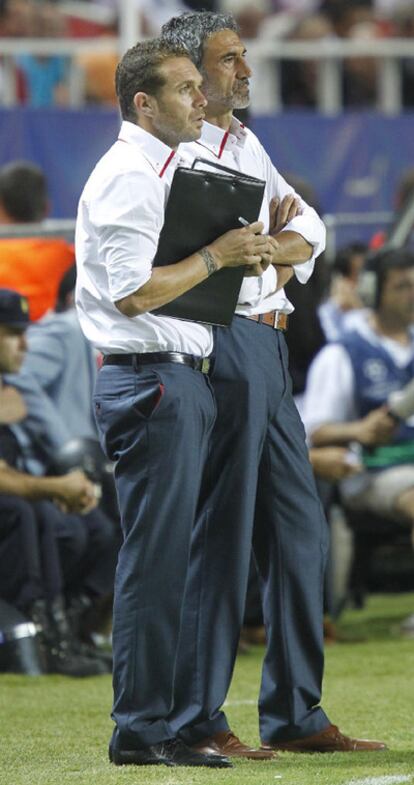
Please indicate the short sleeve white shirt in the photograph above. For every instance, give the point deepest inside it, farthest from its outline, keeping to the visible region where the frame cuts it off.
(120, 216)
(240, 149)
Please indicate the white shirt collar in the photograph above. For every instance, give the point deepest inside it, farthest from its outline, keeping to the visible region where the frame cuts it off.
(217, 140)
(158, 154)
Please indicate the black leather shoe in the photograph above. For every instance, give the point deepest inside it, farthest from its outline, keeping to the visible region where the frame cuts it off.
(169, 753)
(180, 755)
(146, 756)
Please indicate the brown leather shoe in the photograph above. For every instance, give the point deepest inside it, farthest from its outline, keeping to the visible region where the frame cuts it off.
(329, 740)
(227, 744)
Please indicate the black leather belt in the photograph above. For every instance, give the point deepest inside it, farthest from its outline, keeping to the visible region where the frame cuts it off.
(276, 319)
(147, 358)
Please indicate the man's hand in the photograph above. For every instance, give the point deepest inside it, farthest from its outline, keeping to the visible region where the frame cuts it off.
(282, 211)
(246, 246)
(75, 493)
(284, 274)
(333, 463)
(376, 428)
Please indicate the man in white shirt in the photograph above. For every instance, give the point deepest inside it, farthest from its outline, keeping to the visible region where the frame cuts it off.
(258, 468)
(153, 401)
(350, 384)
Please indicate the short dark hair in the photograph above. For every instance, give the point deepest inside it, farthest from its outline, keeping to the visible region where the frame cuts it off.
(23, 191)
(383, 262)
(342, 262)
(193, 28)
(138, 71)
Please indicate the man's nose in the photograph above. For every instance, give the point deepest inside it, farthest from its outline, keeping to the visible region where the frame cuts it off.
(243, 69)
(200, 99)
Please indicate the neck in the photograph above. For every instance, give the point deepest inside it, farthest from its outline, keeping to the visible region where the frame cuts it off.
(164, 137)
(219, 117)
(391, 326)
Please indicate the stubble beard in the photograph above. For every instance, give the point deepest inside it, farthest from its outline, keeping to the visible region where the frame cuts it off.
(239, 98)
(173, 134)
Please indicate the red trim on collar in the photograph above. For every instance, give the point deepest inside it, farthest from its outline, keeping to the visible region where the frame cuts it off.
(223, 144)
(168, 161)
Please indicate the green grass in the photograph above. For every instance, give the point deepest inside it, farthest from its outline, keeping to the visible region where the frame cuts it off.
(54, 731)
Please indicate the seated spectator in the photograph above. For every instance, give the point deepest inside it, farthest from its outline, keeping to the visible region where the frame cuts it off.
(45, 76)
(33, 266)
(98, 70)
(57, 381)
(85, 542)
(344, 305)
(349, 385)
(299, 77)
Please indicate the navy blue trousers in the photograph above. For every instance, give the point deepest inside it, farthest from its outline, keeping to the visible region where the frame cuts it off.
(29, 560)
(258, 487)
(155, 424)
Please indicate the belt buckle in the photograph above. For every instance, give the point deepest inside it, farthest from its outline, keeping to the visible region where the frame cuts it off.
(205, 365)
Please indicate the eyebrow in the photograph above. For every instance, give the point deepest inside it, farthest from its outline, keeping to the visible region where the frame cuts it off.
(233, 53)
(183, 82)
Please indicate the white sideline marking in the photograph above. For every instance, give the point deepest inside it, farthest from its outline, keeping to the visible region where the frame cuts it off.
(392, 779)
(240, 703)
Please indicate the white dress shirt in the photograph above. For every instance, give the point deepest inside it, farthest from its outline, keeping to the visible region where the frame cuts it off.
(120, 216)
(240, 149)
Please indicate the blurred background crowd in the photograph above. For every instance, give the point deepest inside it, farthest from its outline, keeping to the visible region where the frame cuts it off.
(41, 75)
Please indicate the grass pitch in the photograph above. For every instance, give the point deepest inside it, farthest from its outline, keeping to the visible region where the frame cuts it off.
(54, 730)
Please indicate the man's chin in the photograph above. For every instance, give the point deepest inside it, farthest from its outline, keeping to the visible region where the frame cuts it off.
(241, 101)
(193, 135)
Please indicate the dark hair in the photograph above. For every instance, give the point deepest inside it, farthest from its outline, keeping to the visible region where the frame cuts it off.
(383, 262)
(66, 288)
(192, 28)
(23, 191)
(343, 258)
(138, 71)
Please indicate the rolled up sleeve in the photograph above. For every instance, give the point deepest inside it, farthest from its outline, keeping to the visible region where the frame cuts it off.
(127, 219)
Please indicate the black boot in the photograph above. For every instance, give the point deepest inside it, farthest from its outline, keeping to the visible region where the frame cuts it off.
(81, 613)
(56, 644)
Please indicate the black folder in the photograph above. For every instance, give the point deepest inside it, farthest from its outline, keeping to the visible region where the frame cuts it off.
(203, 205)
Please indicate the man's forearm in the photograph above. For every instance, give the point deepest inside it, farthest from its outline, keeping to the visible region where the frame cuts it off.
(28, 487)
(335, 434)
(167, 283)
(291, 249)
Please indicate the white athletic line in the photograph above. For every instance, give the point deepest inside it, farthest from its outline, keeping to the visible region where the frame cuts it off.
(241, 703)
(392, 779)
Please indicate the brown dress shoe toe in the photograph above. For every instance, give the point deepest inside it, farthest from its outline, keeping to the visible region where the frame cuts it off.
(227, 744)
(328, 740)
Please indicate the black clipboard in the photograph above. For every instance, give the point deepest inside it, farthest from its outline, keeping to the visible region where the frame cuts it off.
(202, 205)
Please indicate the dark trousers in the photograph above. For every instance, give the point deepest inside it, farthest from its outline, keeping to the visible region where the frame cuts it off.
(45, 552)
(258, 486)
(88, 547)
(29, 558)
(155, 424)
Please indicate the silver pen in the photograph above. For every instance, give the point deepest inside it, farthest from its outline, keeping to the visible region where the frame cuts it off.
(243, 221)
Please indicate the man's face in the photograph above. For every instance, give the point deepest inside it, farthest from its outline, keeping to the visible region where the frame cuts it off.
(13, 348)
(397, 297)
(179, 104)
(225, 71)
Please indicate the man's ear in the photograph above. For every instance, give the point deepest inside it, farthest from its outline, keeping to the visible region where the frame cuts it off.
(144, 104)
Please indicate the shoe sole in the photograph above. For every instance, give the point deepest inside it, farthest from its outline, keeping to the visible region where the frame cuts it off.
(129, 758)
